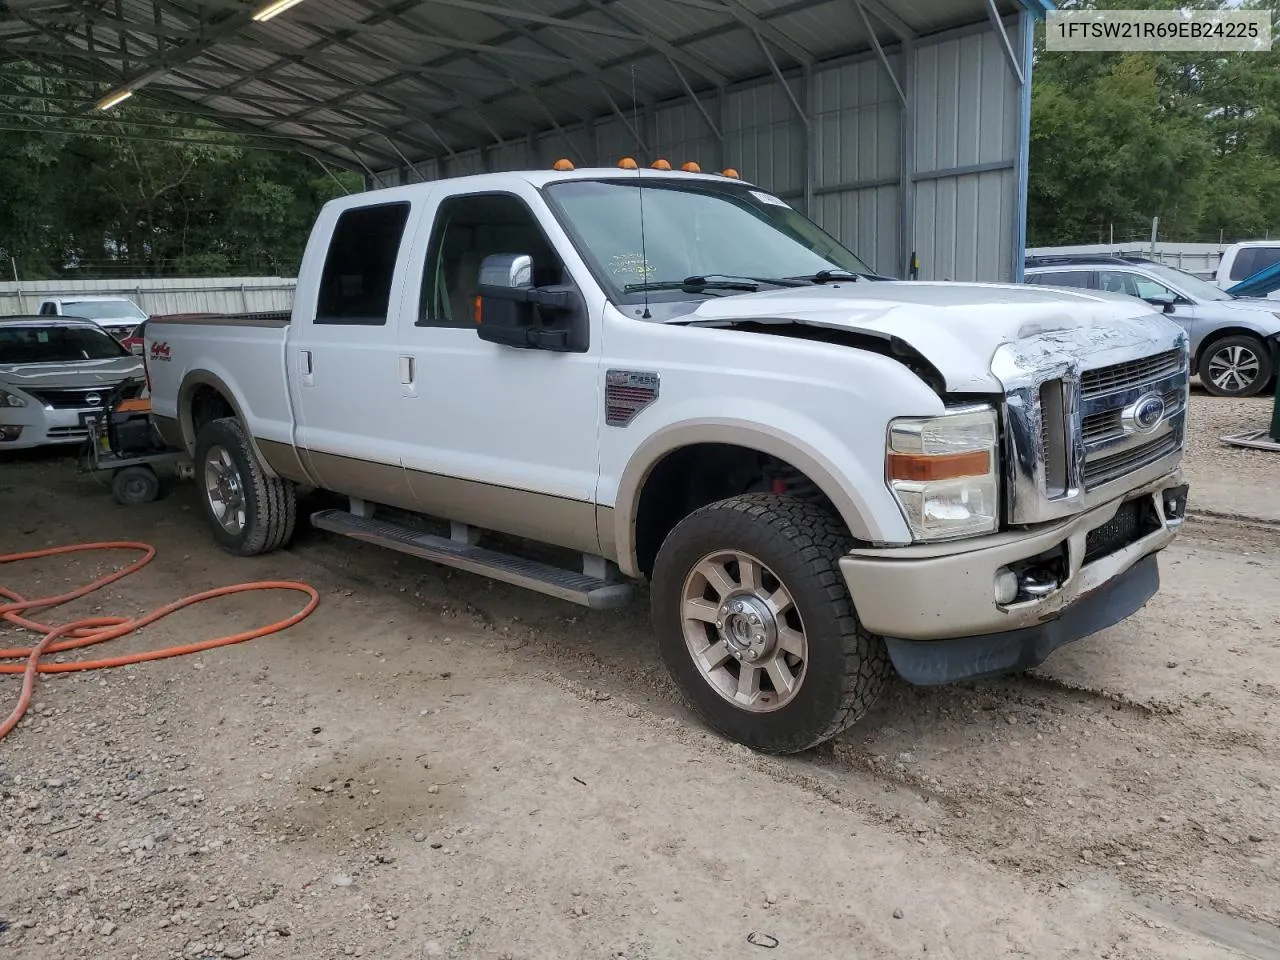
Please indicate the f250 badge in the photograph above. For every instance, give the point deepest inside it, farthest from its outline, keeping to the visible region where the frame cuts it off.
(160, 351)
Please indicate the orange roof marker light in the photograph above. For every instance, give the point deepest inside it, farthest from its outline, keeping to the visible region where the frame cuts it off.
(691, 167)
(562, 164)
(661, 165)
(730, 172)
(626, 163)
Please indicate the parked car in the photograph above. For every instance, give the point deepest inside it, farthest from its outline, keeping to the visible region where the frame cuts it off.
(1242, 260)
(1234, 340)
(119, 316)
(823, 477)
(136, 340)
(53, 372)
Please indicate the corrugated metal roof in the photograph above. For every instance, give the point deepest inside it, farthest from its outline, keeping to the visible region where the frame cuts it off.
(375, 81)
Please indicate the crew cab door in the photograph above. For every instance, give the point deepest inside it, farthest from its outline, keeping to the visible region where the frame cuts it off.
(342, 353)
(503, 437)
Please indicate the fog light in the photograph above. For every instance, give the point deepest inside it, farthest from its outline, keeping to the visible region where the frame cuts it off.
(10, 433)
(1006, 586)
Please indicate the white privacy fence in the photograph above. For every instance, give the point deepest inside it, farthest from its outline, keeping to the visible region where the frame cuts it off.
(1198, 258)
(158, 296)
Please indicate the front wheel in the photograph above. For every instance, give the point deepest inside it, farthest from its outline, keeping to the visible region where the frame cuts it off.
(1236, 366)
(249, 511)
(756, 625)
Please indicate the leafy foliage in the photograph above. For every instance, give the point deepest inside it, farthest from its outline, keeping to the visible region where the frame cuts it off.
(123, 202)
(1117, 139)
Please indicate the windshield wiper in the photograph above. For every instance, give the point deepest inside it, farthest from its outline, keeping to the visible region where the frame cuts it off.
(832, 276)
(714, 281)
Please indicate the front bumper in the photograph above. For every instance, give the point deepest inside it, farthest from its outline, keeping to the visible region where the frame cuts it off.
(43, 426)
(935, 604)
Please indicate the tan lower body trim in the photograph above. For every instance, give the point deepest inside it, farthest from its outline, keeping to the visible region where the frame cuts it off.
(518, 513)
(284, 459)
(170, 431)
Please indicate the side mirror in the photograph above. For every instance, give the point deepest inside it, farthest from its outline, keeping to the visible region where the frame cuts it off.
(511, 311)
(514, 270)
(1163, 301)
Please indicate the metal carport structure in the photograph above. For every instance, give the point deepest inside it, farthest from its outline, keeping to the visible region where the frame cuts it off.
(901, 126)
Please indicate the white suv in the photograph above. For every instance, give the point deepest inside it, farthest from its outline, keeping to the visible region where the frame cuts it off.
(119, 316)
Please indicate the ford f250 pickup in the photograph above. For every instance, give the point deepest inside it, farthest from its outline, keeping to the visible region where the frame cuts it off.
(676, 377)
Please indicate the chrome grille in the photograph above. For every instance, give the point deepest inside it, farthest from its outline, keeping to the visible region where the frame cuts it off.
(1080, 427)
(78, 397)
(1109, 423)
(1110, 468)
(1131, 373)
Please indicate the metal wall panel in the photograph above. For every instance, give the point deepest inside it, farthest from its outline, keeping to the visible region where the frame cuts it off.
(764, 138)
(165, 295)
(681, 135)
(955, 195)
(964, 226)
(857, 124)
(966, 137)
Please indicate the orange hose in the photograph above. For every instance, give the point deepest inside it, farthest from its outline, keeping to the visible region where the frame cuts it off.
(90, 630)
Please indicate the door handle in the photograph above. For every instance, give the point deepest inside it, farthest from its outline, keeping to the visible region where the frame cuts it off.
(306, 362)
(406, 370)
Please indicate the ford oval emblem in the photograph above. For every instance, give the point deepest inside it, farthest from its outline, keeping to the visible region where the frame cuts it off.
(1148, 412)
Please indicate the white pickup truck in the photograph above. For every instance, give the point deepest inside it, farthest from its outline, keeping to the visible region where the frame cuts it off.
(676, 377)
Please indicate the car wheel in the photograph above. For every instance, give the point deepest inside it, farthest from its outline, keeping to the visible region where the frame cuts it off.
(249, 511)
(1236, 366)
(755, 623)
(133, 486)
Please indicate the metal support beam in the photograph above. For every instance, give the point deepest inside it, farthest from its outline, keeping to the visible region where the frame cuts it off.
(693, 97)
(786, 87)
(1027, 32)
(875, 42)
(907, 160)
(810, 135)
(663, 46)
(763, 28)
(998, 24)
(890, 19)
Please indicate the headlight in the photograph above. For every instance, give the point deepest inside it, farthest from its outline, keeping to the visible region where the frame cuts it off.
(943, 472)
(8, 399)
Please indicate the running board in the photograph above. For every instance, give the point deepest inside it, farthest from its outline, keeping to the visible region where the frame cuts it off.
(577, 588)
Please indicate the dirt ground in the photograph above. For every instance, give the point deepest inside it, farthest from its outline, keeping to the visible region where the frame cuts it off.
(436, 766)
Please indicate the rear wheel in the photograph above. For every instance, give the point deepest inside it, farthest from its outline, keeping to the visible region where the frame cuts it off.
(756, 625)
(249, 511)
(1236, 366)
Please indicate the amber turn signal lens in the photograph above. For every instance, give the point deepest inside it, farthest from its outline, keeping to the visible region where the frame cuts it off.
(691, 167)
(562, 164)
(626, 163)
(661, 165)
(923, 468)
(476, 309)
(730, 172)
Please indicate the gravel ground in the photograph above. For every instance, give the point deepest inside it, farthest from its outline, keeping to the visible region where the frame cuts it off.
(1225, 479)
(436, 766)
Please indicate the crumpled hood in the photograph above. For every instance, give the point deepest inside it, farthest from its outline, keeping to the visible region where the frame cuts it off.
(80, 373)
(957, 327)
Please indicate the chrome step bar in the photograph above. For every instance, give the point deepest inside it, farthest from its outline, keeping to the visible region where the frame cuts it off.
(579, 588)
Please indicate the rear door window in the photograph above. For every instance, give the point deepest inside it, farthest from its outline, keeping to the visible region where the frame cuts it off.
(355, 287)
(1061, 278)
(1252, 259)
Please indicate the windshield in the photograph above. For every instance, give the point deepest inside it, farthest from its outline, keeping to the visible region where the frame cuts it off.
(103, 310)
(1188, 283)
(691, 229)
(57, 345)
